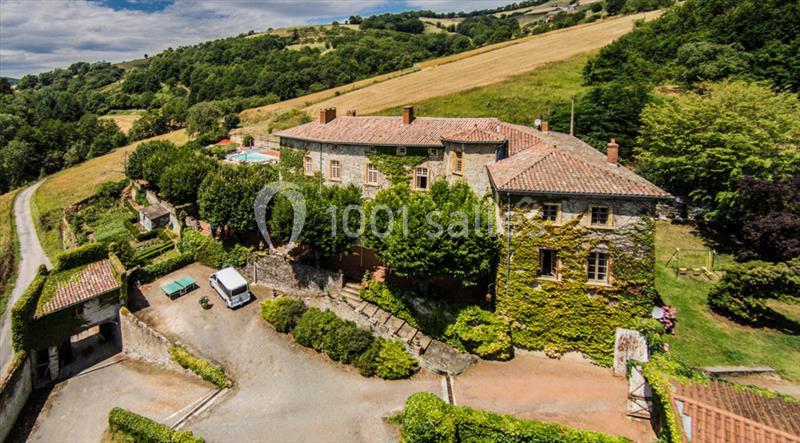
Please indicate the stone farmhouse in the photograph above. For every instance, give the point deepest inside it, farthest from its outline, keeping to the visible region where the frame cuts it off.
(584, 230)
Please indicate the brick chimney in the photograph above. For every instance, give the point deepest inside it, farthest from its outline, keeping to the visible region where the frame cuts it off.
(327, 115)
(613, 152)
(408, 115)
(351, 113)
(545, 127)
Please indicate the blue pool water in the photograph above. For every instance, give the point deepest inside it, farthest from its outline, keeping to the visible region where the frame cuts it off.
(252, 157)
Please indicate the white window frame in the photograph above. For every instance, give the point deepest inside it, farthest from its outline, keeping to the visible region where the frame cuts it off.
(401, 150)
(331, 176)
(367, 178)
(593, 267)
(427, 176)
(308, 165)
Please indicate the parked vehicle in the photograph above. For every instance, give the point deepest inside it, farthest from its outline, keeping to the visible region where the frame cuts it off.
(231, 286)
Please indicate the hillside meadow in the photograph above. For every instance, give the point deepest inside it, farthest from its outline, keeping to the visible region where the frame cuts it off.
(520, 99)
(76, 183)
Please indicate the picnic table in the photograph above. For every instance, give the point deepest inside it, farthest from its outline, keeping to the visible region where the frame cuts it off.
(179, 287)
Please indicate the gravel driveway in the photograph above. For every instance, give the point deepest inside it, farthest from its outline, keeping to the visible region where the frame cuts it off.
(284, 392)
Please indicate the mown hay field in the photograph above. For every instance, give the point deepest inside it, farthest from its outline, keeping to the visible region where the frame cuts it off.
(455, 73)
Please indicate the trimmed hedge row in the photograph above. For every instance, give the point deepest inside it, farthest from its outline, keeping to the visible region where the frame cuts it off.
(148, 273)
(81, 255)
(143, 430)
(206, 370)
(341, 340)
(23, 310)
(136, 233)
(428, 419)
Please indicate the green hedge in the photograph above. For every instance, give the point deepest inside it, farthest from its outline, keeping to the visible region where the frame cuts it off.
(283, 312)
(428, 419)
(151, 272)
(212, 252)
(341, 340)
(207, 371)
(81, 255)
(143, 430)
(136, 233)
(23, 310)
(481, 332)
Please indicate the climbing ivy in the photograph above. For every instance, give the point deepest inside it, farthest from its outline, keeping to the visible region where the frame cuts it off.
(570, 314)
(396, 167)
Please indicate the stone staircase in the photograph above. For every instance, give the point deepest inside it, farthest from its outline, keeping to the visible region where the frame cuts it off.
(384, 322)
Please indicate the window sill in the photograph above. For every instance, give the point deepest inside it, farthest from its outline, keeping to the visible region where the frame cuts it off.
(599, 284)
(460, 174)
(372, 185)
(548, 278)
(602, 227)
(337, 180)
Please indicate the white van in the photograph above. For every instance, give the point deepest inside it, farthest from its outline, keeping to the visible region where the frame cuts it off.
(231, 286)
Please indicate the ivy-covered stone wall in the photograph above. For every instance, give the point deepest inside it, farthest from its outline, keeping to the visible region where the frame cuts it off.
(568, 312)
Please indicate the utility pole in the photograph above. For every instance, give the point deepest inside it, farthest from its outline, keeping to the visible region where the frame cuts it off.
(572, 117)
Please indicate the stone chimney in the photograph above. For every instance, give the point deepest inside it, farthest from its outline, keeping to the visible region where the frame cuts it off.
(408, 115)
(327, 115)
(545, 127)
(613, 152)
(351, 113)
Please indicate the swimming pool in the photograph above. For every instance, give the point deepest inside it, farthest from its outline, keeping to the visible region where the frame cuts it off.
(252, 157)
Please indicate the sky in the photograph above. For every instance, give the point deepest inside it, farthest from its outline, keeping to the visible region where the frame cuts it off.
(40, 35)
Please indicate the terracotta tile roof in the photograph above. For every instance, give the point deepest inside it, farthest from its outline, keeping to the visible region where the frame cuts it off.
(377, 130)
(96, 279)
(558, 171)
(475, 135)
(538, 162)
(720, 411)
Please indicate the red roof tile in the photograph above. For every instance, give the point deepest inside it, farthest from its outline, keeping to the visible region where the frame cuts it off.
(475, 135)
(721, 411)
(560, 172)
(96, 279)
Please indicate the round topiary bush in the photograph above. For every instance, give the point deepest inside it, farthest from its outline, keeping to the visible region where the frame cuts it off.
(426, 418)
(283, 312)
(367, 362)
(314, 326)
(482, 333)
(346, 342)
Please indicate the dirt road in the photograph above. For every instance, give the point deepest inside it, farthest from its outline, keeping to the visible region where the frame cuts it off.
(31, 256)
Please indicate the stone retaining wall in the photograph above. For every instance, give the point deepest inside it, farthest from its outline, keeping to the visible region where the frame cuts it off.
(141, 342)
(15, 388)
(279, 273)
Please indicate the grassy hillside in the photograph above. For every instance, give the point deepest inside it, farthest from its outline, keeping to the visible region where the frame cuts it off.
(520, 99)
(454, 74)
(76, 183)
(9, 249)
(703, 338)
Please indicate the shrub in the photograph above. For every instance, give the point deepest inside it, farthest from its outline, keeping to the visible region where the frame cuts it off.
(745, 288)
(313, 327)
(207, 371)
(142, 429)
(23, 310)
(80, 256)
(151, 272)
(427, 418)
(482, 333)
(394, 362)
(367, 362)
(111, 189)
(283, 312)
(212, 252)
(346, 342)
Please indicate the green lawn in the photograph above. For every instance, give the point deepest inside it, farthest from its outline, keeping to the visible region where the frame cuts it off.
(520, 99)
(703, 338)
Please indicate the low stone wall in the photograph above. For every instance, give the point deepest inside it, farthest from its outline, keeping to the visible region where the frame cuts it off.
(15, 388)
(291, 277)
(141, 342)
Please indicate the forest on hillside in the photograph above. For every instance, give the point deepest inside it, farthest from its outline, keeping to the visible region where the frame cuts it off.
(704, 101)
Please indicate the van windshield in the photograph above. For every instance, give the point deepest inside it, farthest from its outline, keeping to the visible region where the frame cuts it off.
(238, 291)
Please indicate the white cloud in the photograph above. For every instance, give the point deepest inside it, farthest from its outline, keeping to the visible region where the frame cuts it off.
(41, 35)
